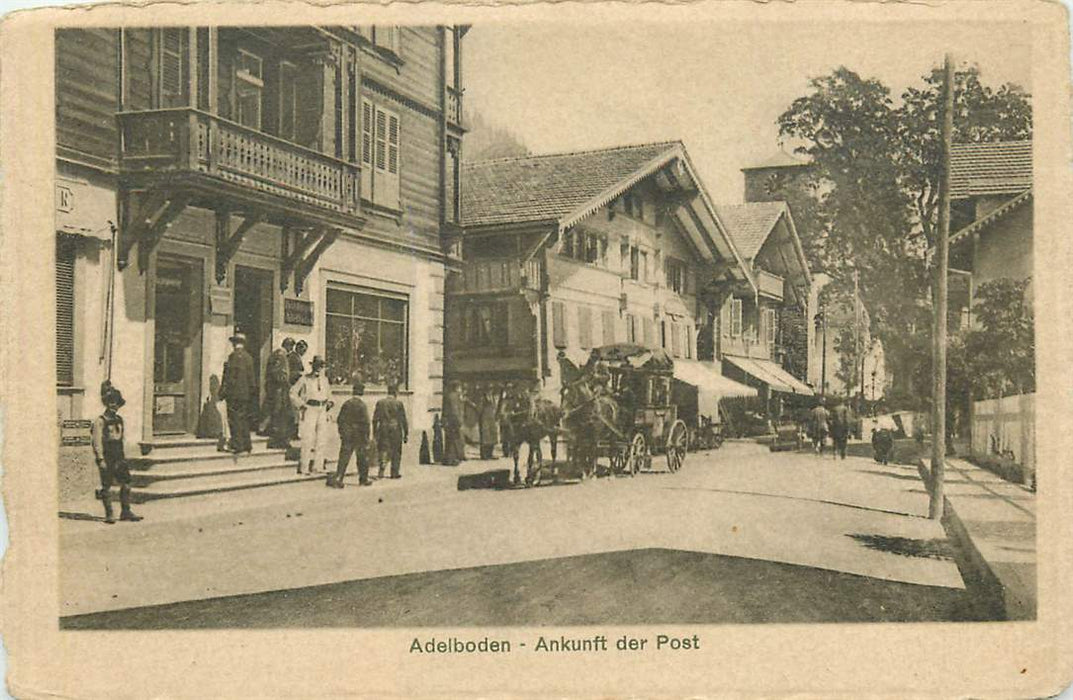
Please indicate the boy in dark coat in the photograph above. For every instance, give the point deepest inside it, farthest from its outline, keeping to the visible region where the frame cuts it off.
(353, 423)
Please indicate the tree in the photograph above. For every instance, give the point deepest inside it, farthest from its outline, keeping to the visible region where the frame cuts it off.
(877, 197)
(485, 141)
(981, 114)
(1001, 352)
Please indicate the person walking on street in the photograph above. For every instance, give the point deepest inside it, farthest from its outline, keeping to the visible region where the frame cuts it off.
(277, 396)
(391, 430)
(840, 428)
(819, 427)
(353, 424)
(452, 425)
(239, 390)
(107, 439)
(310, 398)
(503, 415)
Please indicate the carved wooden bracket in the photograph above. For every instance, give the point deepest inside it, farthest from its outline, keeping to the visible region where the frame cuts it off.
(292, 256)
(227, 243)
(304, 267)
(146, 223)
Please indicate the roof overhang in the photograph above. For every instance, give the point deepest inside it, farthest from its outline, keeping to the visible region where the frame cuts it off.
(990, 217)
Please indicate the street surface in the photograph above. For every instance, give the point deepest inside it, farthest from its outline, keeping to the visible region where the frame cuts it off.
(739, 535)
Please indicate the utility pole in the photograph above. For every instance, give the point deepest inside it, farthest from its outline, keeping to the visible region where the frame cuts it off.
(938, 439)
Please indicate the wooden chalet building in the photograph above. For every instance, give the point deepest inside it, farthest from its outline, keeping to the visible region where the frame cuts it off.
(280, 181)
(567, 252)
(747, 320)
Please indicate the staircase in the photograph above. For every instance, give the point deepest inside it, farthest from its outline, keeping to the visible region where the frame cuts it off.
(176, 467)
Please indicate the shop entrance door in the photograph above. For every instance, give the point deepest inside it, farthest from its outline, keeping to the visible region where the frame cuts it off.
(178, 300)
(253, 316)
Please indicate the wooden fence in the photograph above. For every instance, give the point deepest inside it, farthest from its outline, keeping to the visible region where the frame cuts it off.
(1006, 427)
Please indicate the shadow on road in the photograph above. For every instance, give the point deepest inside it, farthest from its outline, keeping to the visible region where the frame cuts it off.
(797, 498)
(906, 546)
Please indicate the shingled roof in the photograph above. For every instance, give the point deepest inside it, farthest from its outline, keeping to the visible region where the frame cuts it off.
(749, 224)
(1003, 167)
(554, 187)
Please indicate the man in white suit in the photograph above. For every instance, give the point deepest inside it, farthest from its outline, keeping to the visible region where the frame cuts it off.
(310, 396)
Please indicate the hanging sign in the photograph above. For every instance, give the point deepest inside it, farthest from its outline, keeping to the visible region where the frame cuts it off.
(221, 301)
(75, 433)
(298, 312)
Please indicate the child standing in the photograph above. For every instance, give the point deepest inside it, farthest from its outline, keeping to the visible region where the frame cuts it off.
(108, 452)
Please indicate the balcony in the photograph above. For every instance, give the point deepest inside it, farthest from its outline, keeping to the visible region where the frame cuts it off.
(454, 106)
(770, 285)
(217, 159)
(500, 275)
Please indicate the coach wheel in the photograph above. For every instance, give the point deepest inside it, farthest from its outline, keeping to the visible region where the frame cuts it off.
(677, 442)
(638, 454)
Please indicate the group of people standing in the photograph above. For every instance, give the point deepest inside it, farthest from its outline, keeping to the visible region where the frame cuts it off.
(495, 406)
(297, 405)
(836, 422)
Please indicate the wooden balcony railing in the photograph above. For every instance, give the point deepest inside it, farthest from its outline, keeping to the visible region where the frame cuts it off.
(188, 140)
(500, 275)
(770, 285)
(454, 106)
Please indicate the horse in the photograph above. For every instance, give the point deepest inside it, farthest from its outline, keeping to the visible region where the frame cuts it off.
(589, 416)
(529, 421)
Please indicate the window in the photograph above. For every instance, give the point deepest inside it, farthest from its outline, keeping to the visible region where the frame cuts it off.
(558, 324)
(585, 246)
(249, 89)
(676, 340)
(735, 318)
(770, 326)
(380, 143)
(644, 266)
(584, 327)
(676, 275)
(648, 332)
(384, 37)
(687, 340)
(288, 100)
(454, 180)
(65, 310)
(635, 263)
(171, 57)
(486, 324)
(631, 328)
(366, 337)
(608, 322)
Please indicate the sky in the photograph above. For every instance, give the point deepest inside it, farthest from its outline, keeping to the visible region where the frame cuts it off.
(718, 87)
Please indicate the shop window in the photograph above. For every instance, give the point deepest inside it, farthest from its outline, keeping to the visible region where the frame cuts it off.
(65, 310)
(366, 337)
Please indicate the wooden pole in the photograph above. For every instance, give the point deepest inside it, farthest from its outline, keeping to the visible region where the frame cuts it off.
(938, 440)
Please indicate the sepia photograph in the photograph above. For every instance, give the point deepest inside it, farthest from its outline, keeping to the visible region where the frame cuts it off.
(564, 336)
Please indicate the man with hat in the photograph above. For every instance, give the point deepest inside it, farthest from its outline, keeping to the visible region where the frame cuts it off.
(107, 436)
(310, 398)
(295, 369)
(391, 430)
(353, 424)
(453, 408)
(239, 390)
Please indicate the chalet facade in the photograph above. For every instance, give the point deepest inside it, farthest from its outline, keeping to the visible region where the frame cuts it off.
(283, 181)
(567, 252)
(991, 219)
(746, 322)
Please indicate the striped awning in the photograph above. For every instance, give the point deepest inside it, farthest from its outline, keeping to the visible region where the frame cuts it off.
(771, 374)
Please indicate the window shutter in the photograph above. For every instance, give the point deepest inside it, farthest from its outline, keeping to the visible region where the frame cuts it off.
(65, 311)
(584, 326)
(366, 149)
(558, 324)
(171, 67)
(676, 341)
(735, 317)
(648, 332)
(609, 326)
(386, 139)
(631, 329)
(724, 319)
(687, 341)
